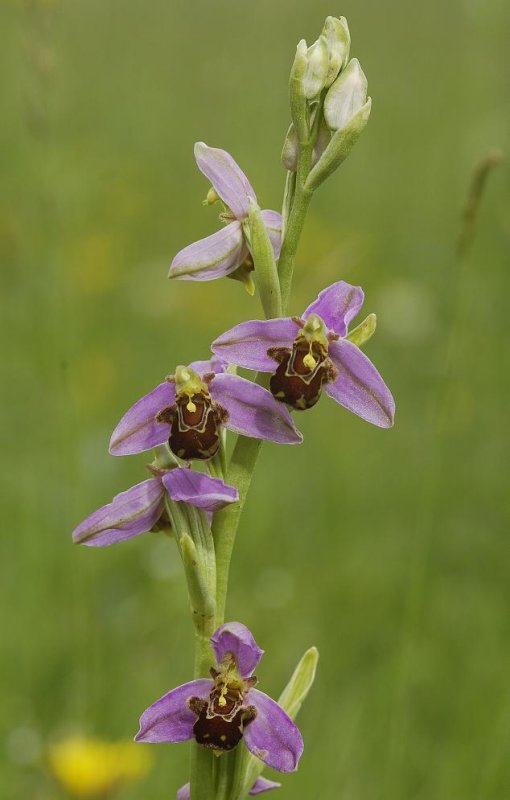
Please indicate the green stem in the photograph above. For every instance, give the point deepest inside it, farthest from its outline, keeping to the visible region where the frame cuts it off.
(295, 223)
(226, 522)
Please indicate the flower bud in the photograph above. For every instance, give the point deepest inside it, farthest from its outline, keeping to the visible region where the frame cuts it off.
(338, 40)
(290, 149)
(298, 104)
(346, 96)
(341, 144)
(317, 68)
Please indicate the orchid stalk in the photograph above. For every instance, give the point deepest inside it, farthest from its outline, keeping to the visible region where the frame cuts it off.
(236, 729)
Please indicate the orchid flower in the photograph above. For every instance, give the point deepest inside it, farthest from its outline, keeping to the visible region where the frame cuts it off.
(142, 507)
(261, 785)
(220, 711)
(224, 251)
(311, 353)
(189, 408)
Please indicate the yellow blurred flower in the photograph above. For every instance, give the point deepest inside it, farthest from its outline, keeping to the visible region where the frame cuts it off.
(93, 768)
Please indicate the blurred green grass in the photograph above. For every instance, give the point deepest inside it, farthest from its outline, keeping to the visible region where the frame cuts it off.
(388, 550)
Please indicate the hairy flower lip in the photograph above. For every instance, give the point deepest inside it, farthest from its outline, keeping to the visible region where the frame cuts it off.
(252, 411)
(358, 385)
(271, 735)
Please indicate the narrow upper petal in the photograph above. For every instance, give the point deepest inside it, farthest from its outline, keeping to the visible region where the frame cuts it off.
(169, 719)
(337, 305)
(272, 736)
(261, 785)
(235, 638)
(359, 387)
(214, 364)
(247, 344)
(130, 513)
(253, 411)
(199, 489)
(273, 222)
(213, 257)
(138, 430)
(227, 178)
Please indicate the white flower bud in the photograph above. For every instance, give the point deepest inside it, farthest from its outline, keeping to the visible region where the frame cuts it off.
(346, 96)
(338, 40)
(317, 68)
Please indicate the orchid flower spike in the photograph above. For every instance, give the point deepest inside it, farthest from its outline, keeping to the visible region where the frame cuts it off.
(225, 251)
(142, 507)
(220, 711)
(189, 408)
(311, 353)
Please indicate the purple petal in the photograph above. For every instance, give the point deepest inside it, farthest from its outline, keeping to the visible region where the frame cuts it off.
(227, 178)
(272, 736)
(169, 719)
(253, 411)
(138, 430)
(235, 638)
(263, 785)
(337, 305)
(247, 344)
(213, 364)
(359, 387)
(273, 222)
(130, 513)
(199, 489)
(213, 257)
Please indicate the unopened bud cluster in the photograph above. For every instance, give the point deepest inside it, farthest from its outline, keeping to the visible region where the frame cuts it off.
(329, 102)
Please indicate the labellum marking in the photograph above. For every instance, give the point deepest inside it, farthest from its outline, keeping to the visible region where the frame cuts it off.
(222, 718)
(301, 373)
(195, 422)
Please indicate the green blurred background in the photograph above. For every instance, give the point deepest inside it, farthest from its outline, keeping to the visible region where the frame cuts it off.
(388, 550)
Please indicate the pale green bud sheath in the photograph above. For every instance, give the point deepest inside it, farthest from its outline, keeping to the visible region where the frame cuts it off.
(298, 103)
(339, 147)
(338, 40)
(264, 262)
(290, 149)
(363, 332)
